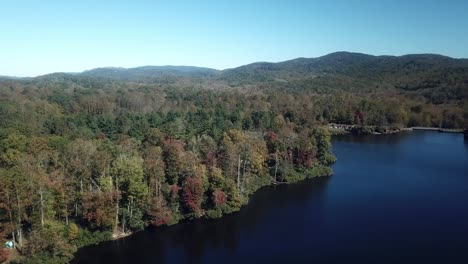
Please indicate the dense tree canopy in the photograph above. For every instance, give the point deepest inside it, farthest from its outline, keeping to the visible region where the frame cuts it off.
(78, 163)
(82, 158)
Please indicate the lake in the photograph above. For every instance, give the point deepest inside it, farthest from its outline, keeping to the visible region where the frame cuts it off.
(399, 198)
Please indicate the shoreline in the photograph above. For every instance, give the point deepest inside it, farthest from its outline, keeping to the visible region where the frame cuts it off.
(116, 237)
(121, 235)
(338, 129)
(445, 130)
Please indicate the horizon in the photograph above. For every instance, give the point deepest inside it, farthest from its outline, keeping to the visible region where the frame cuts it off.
(45, 38)
(196, 66)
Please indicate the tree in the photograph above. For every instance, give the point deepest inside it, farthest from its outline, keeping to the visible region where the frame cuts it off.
(154, 169)
(243, 154)
(159, 212)
(192, 194)
(79, 157)
(49, 240)
(324, 154)
(154, 137)
(11, 149)
(215, 178)
(173, 157)
(305, 149)
(16, 196)
(219, 198)
(129, 180)
(234, 199)
(35, 168)
(203, 146)
(73, 231)
(99, 209)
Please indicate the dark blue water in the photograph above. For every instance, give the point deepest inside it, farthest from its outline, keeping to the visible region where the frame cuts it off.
(393, 199)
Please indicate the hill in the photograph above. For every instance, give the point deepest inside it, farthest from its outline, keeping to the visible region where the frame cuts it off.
(436, 77)
(150, 72)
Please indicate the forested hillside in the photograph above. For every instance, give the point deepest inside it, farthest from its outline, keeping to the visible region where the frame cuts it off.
(107, 151)
(79, 164)
(437, 78)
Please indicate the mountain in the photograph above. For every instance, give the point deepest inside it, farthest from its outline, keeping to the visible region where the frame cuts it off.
(150, 72)
(350, 64)
(5, 77)
(436, 77)
(300, 67)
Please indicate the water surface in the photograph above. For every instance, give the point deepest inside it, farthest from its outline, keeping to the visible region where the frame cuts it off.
(393, 199)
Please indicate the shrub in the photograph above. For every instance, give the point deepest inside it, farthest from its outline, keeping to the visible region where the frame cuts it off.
(319, 170)
(213, 214)
(86, 237)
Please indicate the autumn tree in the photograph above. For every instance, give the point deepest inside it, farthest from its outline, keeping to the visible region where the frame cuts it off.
(159, 211)
(243, 154)
(219, 198)
(192, 194)
(99, 208)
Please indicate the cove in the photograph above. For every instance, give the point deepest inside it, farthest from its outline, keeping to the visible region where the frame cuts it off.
(399, 198)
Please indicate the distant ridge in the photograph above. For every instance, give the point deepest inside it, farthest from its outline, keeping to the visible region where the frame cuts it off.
(434, 76)
(148, 72)
(337, 61)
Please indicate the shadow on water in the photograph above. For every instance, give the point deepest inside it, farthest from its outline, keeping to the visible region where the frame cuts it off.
(191, 240)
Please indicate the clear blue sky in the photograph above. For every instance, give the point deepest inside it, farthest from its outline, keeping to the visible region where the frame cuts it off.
(39, 37)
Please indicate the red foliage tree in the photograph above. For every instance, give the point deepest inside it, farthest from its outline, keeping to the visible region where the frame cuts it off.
(99, 208)
(219, 198)
(193, 194)
(160, 213)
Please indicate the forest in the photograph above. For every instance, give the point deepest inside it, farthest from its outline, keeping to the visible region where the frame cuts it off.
(79, 165)
(89, 157)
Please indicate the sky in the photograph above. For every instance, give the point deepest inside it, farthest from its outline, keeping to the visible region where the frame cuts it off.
(40, 37)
